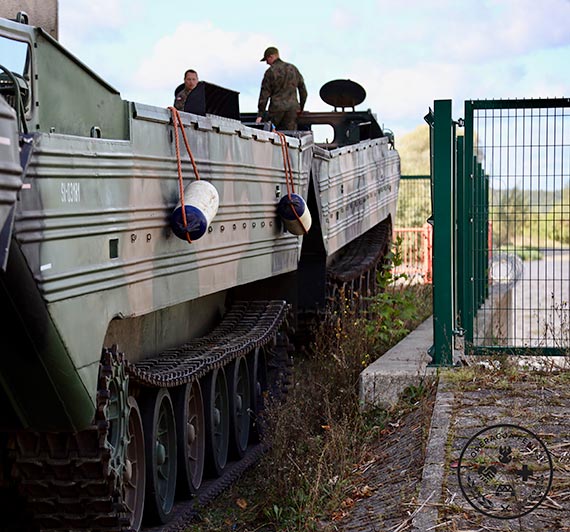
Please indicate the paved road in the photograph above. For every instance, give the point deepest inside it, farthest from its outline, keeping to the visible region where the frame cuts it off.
(540, 302)
(537, 313)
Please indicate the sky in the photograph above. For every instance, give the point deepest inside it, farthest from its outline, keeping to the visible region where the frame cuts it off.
(405, 53)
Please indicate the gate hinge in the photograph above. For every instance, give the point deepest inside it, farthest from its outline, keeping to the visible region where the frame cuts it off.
(458, 335)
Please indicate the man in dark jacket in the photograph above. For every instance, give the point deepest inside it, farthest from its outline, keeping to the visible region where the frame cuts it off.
(182, 92)
(280, 85)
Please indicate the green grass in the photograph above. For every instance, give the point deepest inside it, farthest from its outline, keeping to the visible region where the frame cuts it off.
(523, 252)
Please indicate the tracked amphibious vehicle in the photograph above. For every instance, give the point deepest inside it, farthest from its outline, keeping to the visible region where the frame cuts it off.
(135, 363)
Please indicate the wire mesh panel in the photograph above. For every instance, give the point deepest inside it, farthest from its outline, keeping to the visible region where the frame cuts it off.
(415, 254)
(414, 201)
(412, 234)
(518, 165)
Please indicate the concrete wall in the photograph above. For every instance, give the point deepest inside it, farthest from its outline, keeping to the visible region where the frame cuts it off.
(43, 13)
(381, 384)
(494, 324)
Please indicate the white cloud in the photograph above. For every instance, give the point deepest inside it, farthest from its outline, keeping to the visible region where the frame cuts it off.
(343, 19)
(543, 23)
(85, 20)
(216, 55)
(404, 94)
(475, 31)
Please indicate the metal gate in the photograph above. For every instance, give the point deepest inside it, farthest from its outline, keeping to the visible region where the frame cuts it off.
(411, 233)
(501, 214)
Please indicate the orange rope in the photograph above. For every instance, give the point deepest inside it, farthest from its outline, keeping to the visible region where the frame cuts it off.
(287, 164)
(289, 176)
(177, 123)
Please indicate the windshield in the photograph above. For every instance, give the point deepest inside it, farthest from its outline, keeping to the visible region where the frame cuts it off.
(15, 70)
(14, 56)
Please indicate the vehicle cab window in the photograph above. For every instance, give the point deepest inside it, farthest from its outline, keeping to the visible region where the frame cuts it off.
(15, 72)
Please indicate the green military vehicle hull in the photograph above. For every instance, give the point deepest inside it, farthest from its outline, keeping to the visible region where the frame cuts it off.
(135, 362)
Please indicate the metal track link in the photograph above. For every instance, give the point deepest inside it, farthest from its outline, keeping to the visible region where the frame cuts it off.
(69, 480)
(187, 511)
(362, 255)
(246, 326)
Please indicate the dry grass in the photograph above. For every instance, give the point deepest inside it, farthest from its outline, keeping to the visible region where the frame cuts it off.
(319, 435)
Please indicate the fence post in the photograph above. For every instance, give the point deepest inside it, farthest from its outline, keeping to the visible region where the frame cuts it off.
(465, 228)
(461, 195)
(443, 233)
(426, 253)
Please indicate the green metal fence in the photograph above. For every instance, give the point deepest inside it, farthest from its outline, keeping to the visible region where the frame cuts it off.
(501, 213)
(414, 201)
(411, 233)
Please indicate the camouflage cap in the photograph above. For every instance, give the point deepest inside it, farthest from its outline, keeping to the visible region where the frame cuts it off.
(269, 51)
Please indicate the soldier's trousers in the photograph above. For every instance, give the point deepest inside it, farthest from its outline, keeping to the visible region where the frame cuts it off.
(284, 120)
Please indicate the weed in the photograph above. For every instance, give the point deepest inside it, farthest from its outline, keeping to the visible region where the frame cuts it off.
(412, 394)
(320, 435)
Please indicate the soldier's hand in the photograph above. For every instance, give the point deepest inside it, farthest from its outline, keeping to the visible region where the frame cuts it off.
(258, 120)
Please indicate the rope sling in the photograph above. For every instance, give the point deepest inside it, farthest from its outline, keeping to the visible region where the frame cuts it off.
(289, 177)
(177, 123)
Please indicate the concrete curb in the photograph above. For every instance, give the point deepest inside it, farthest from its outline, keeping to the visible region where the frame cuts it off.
(434, 464)
(381, 384)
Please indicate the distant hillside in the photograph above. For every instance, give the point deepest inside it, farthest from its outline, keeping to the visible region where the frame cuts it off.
(414, 200)
(414, 151)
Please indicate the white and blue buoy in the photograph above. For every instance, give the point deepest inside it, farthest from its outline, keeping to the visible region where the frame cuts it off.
(298, 223)
(201, 202)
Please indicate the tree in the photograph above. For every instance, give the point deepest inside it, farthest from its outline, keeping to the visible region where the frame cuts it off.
(558, 219)
(414, 150)
(414, 201)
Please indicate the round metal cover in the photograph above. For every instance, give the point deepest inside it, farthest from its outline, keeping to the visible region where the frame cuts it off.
(342, 93)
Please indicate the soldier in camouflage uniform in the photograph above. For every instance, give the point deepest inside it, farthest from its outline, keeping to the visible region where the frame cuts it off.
(190, 82)
(280, 84)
